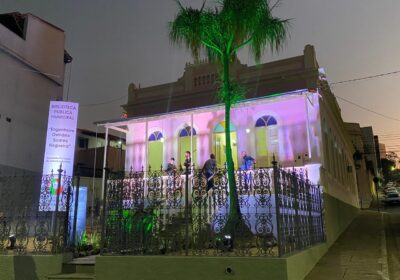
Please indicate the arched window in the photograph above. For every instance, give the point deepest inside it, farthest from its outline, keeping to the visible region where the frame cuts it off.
(219, 143)
(185, 143)
(266, 140)
(155, 153)
(266, 121)
(155, 136)
(187, 131)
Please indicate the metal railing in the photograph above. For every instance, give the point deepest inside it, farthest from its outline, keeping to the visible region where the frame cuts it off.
(34, 213)
(153, 213)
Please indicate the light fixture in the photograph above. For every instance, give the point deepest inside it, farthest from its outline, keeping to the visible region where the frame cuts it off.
(12, 238)
(247, 130)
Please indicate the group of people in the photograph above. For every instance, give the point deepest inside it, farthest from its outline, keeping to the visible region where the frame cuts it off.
(171, 166)
(210, 167)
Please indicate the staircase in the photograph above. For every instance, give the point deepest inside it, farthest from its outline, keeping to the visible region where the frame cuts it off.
(78, 269)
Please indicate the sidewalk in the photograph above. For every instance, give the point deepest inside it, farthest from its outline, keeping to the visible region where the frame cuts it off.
(359, 253)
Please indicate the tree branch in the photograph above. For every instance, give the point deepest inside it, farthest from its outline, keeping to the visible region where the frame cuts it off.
(229, 45)
(242, 44)
(212, 46)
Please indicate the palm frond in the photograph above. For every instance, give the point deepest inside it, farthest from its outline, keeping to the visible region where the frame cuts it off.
(270, 32)
(232, 25)
(197, 29)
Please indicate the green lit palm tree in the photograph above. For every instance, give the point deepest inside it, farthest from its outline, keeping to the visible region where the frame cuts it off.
(221, 32)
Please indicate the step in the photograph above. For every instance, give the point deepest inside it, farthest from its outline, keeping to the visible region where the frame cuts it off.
(78, 268)
(80, 265)
(85, 260)
(72, 276)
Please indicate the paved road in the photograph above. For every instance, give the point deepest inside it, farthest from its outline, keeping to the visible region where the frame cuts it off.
(392, 231)
(368, 249)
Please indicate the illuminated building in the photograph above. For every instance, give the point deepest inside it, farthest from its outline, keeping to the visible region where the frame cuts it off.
(289, 112)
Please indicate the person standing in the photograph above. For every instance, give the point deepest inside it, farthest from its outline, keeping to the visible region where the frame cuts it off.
(247, 166)
(247, 161)
(188, 162)
(171, 167)
(208, 170)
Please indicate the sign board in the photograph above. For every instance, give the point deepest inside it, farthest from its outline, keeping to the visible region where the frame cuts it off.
(60, 147)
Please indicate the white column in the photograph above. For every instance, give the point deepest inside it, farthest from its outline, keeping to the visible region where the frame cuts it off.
(104, 163)
(308, 128)
(146, 147)
(191, 137)
(146, 161)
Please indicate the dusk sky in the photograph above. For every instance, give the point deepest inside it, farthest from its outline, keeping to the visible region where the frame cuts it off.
(114, 43)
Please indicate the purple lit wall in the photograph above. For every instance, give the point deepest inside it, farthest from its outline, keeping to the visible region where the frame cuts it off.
(297, 119)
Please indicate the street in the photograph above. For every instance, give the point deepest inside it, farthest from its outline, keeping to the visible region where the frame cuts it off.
(392, 232)
(367, 249)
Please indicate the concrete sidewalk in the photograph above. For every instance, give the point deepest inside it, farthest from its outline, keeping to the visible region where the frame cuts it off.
(359, 253)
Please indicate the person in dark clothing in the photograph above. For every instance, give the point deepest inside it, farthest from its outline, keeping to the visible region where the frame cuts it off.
(247, 166)
(208, 170)
(188, 162)
(247, 161)
(171, 167)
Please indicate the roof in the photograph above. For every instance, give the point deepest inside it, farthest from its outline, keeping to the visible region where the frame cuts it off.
(199, 83)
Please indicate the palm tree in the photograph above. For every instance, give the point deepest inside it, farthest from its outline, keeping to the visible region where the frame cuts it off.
(221, 32)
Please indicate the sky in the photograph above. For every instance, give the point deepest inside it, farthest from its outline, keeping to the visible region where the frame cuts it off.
(115, 43)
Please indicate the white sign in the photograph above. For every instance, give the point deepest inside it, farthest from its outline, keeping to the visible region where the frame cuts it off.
(60, 148)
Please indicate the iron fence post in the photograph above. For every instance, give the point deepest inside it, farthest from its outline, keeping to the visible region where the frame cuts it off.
(120, 200)
(104, 212)
(310, 189)
(78, 180)
(277, 204)
(295, 187)
(55, 214)
(320, 197)
(67, 210)
(187, 210)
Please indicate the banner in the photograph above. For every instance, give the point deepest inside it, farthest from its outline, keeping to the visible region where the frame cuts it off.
(60, 149)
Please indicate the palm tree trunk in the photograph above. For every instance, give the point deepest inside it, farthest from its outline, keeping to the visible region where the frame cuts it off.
(234, 209)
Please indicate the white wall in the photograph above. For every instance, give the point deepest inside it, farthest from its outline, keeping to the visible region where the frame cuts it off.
(25, 94)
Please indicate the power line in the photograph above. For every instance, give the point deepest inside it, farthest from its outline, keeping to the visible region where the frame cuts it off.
(367, 109)
(366, 77)
(105, 102)
(333, 83)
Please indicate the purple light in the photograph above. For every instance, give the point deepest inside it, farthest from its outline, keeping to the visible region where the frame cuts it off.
(288, 113)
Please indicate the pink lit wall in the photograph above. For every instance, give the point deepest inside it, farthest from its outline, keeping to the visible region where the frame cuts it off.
(297, 121)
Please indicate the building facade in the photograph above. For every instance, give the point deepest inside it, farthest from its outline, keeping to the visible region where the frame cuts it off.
(33, 61)
(364, 172)
(288, 113)
(370, 150)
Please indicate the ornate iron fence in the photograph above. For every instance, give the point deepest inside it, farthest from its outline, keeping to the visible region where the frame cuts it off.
(34, 211)
(155, 213)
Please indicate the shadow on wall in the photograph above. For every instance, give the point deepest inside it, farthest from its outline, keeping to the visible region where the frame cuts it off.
(24, 268)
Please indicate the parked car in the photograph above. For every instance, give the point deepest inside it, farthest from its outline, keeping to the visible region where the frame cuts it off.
(392, 197)
(390, 189)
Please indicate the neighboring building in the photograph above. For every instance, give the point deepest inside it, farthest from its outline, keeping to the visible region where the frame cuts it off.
(289, 112)
(89, 154)
(365, 175)
(32, 59)
(382, 151)
(378, 153)
(370, 149)
(90, 148)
